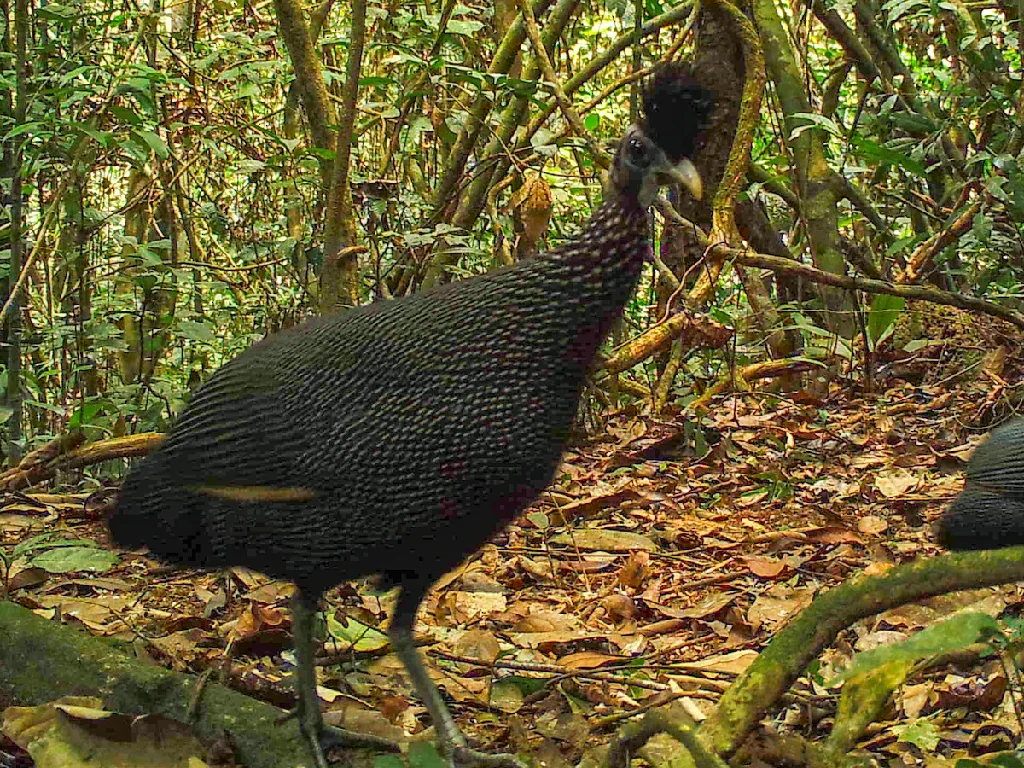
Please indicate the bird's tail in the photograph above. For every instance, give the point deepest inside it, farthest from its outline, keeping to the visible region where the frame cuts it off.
(166, 520)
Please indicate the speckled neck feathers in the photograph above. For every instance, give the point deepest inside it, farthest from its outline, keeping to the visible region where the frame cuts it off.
(604, 261)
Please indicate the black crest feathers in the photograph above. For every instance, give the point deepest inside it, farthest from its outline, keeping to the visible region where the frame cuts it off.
(675, 109)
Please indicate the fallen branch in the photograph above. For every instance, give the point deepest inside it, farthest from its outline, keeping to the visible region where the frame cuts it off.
(738, 378)
(786, 657)
(692, 331)
(923, 257)
(67, 453)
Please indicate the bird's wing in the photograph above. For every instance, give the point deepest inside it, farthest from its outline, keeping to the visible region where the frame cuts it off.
(242, 436)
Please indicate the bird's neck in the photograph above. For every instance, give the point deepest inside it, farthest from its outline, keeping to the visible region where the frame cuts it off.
(602, 264)
(590, 279)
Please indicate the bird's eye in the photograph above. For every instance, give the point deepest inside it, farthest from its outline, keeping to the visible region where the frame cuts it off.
(637, 151)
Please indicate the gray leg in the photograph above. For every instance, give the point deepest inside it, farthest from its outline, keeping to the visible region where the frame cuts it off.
(308, 708)
(311, 723)
(450, 739)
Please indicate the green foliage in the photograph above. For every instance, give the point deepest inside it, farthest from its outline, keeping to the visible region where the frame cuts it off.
(56, 555)
(885, 311)
(951, 635)
(1002, 761)
(190, 204)
(423, 754)
(922, 733)
(354, 635)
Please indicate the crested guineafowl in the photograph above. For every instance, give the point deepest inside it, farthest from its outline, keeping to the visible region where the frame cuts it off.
(396, 438)
(989, 512)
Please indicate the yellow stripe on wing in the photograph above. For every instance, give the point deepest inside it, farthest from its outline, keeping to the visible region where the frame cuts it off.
(254, 493)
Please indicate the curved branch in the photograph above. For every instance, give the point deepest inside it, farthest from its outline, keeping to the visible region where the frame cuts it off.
(561, 97)
(776, 668)
(723, 217)
(923, 257)
(309, 76)
(915, 292)
(724, 205)
(598, 63)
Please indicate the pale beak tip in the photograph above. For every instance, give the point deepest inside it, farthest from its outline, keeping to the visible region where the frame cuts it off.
(685, 173)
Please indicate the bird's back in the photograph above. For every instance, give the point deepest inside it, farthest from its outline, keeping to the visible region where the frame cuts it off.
(989, 512)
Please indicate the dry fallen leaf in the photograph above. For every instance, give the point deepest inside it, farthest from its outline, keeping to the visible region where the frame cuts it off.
(466, 607)
(76, 732)
(872, 525)
(589, 660)
(764, 567)
(893, 483)
(605, 540)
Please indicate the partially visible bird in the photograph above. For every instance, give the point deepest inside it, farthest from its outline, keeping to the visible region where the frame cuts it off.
(989, 512)
(396, 438)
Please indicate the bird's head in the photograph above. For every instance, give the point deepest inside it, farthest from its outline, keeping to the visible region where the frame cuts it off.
(658, 149)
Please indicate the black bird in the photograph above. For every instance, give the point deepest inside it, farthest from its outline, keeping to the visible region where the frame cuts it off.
(989, 512)
(396, 438)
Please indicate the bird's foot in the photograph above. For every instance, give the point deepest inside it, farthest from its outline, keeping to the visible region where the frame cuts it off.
(316, 749)
(333, 736)
(322, 738)
(464, 757)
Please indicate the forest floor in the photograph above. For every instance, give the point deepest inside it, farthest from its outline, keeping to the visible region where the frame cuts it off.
(645, 574)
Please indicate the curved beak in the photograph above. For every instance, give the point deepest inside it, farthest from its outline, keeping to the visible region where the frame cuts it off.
(685, 172)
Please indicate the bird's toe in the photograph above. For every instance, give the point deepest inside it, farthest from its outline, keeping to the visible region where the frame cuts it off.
(331, 736)
(464, 757)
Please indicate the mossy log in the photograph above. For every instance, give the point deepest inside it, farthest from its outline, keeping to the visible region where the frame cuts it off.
(42, 660)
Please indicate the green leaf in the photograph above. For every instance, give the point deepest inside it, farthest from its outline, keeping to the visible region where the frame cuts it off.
(103, 138)
(154, 142)
(57, 12)
(247, 90)
(320, 152)
(42, 541)
(506, 696)
(886, 156)
(355, 635)
(592, 121)
(85, 414)
(388, 761)
(921, 733)
(464, 27)
(195, 331)
(915, 344)
(982, 227)
(539, 519)
(129, 116)
(1006, 761)
(18, 130)
(423, 754)
(69, 559)
(885, 311)
(814, 120)
(948, 636)
(864, 696)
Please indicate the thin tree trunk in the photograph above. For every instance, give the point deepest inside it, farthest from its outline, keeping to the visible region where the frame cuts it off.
(14, 434)
(339, 280)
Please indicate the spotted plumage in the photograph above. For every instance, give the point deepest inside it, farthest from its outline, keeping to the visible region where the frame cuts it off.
(396, 438)
(989, 512)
